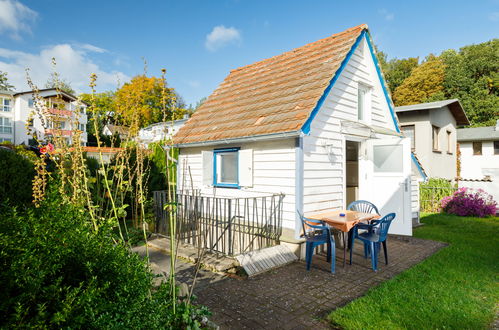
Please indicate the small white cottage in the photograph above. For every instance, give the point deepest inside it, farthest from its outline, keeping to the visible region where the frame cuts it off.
(315, 123)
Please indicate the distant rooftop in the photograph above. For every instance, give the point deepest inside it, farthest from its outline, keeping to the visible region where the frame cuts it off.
(489, 133)
(453, 104)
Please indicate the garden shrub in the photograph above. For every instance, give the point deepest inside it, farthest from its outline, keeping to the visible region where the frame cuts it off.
(56, 272)
(17, 175)
(470, 203)
(432, 191)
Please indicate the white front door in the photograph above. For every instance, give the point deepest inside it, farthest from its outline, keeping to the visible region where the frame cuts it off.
(387, 174)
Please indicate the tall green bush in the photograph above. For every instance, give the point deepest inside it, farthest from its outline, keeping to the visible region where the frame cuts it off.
(431, 193)
(56, 272)
(17, 175)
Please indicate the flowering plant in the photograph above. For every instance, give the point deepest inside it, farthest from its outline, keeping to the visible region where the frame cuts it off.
(47, 149)
(469, 202)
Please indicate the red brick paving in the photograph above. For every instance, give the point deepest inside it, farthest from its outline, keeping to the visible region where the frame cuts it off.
(292, 298)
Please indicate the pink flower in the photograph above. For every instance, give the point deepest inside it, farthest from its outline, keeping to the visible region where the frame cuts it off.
(43, 150)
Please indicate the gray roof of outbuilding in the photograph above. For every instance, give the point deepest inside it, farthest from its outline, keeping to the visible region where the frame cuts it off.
(454, 106)
(478, 134)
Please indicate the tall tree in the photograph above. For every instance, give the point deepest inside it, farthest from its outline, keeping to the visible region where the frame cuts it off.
(424, 82)
(397, 70)
(472, 76)
(4, 82)
(55, 81)
(102, 109)
(139, 102)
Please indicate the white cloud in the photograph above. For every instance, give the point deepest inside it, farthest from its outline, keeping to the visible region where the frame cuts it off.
(15, 18)
(494, 16)
(221, 36)
(92, 48)
(73, 65)
(386, 14)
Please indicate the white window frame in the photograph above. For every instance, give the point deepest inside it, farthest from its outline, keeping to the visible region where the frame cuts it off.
(216, 168)
(364, 103)
(6, 107)
(4, 128)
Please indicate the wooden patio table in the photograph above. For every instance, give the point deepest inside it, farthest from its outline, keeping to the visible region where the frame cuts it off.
(343, 223)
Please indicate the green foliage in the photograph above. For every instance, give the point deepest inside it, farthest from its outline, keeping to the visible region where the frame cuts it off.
(456, 288)
(102, 109)
(140, 102)
(4, 82)
(56, 272)
(55, 82)
(431, 193)
(471, 76)
(17, 175)
(423, 82)
(396, 70)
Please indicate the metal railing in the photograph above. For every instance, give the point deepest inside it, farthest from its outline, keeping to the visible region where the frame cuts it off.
(223, 225)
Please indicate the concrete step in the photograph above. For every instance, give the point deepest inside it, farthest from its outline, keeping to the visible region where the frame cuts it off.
(209, 260)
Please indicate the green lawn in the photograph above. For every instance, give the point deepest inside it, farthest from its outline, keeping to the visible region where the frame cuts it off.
(455, 288)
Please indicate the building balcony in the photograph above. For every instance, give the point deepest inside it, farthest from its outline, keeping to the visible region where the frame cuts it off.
(58, 132)
(60, 112)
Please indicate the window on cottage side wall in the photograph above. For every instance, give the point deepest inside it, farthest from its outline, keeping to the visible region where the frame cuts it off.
(31, 103)
(409, 132)
(225, 167)
(363, 99)
(496, 147)
(477, 148)
(435, 131)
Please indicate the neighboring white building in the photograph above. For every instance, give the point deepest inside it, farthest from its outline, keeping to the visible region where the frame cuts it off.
(160, 131)
(61, 113)
(479, 148)
(432, 130)
(122, 131)
(316, 123)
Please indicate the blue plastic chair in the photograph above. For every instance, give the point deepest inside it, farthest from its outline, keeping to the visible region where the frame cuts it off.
(375, 235)
(363, 206)
(316, 234)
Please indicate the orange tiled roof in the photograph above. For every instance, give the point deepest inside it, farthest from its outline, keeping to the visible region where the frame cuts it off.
(275, 95)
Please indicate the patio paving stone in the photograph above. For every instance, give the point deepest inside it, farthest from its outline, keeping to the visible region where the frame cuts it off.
(290, 297)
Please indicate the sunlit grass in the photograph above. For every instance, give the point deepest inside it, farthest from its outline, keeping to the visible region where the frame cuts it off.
(455, 288)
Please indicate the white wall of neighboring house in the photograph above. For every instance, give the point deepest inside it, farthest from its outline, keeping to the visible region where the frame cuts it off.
(159, 131)
(21, 111)
(474, 168)
(478, 166)
(439, 163)
(443, 160)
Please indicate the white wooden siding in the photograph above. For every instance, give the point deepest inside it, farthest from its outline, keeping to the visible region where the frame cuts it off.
(273, 172)
(324, 147)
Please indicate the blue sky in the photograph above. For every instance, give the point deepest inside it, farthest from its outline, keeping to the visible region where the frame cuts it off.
(199, 42)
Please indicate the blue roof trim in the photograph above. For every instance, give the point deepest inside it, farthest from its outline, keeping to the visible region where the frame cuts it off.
(418, 166)
(383, 82)
(306, 127)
